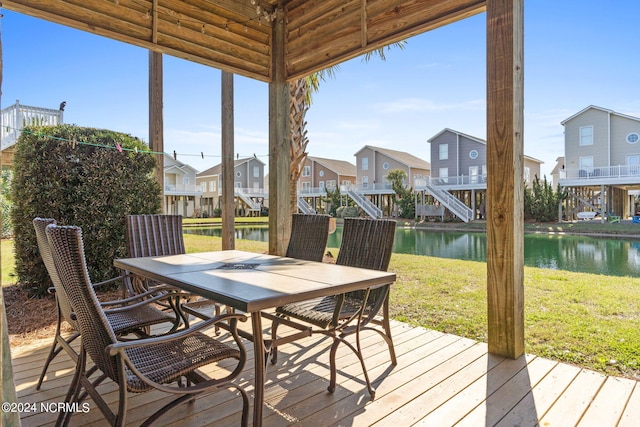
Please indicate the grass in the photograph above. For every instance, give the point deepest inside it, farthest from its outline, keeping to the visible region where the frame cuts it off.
(589, 320)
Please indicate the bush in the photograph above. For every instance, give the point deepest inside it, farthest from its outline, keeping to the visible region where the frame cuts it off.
(89, 184)
(6, 204)
(541, 202)
(348, 212)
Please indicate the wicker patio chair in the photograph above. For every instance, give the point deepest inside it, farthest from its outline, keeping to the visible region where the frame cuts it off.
(131, 315)
(157, 235)
(309, 234)
(139, 365)
(365, 243)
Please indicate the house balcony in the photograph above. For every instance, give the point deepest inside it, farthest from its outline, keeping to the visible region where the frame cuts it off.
(182, 190)
(461, 182)
(606, 175)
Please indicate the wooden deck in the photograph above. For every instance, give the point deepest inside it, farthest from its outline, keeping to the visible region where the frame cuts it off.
(440, 380)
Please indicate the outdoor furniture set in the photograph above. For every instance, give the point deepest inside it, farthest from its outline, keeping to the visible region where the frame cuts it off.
(339, 300)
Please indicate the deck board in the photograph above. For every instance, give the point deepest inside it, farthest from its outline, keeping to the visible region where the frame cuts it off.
(440, 380)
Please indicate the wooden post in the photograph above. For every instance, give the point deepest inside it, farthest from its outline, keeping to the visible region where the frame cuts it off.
(156, 120)
(279, 140)
(505, 189)
(228, 195)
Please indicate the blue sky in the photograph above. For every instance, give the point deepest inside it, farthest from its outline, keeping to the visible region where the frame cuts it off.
(576, 54)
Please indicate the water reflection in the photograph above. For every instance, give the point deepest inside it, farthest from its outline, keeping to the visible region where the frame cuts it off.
(613, 257)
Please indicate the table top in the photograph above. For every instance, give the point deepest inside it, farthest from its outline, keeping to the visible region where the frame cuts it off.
(250, 281)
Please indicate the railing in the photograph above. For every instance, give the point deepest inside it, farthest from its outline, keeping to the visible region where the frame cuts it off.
(620, 171)
(372, 210)
(261, 192)
(373, 187)
(452, 203)
(182, 188)
(305, 207)
(450, 181)
(254, 206)
(313, 191)
(16, 117)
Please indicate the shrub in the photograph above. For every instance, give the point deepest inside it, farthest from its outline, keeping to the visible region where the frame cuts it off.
(5, 202)
(541, 202)
(90, 184)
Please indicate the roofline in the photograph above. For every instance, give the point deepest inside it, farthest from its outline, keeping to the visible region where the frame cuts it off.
(606, 110)
(475, 138)
(392, 157)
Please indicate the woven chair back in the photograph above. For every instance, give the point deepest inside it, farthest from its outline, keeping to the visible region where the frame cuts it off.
(40, 225)
(309, 234)
(67, 250)
(154, 235)
(367, 243)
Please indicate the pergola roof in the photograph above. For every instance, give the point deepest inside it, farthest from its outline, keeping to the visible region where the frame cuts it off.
(236, 35)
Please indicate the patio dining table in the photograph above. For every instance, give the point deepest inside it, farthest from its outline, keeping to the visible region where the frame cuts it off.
(252, 283)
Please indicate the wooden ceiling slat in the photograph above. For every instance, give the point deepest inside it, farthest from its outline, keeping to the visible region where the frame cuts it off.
(414, 17)
(302, 12)
(343, 17)
(182, 36)
(235, 30)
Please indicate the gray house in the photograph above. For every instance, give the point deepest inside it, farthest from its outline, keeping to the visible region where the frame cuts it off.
(602, 160)
(374, 163)
(459, 161)
(248, 186)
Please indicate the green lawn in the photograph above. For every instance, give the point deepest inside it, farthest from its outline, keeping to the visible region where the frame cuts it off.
(586, 319)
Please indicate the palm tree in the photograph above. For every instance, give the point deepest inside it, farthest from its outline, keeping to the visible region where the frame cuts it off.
(301, 96)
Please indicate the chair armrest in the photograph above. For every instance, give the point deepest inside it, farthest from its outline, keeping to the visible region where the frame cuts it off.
(144, 296)
(140, 303)
(121, 346)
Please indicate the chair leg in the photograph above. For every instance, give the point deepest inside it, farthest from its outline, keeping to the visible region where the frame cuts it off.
(59, 344)
(274, 336)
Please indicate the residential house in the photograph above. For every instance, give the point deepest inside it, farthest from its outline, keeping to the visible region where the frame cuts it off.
(318, 176)
(180, 189)
(459, 169)
(374, 163)
(248, 186)
(602, 160)
(459, 161)
(373, 192)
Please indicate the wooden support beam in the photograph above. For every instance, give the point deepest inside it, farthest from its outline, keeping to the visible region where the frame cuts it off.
(156, 119)
(228, 195)
(505, 192)
(279, 141)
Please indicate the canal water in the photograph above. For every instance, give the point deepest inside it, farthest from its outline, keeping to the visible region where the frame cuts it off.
(612, 257)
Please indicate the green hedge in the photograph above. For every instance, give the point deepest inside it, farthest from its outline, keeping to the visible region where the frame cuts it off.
(77, 176)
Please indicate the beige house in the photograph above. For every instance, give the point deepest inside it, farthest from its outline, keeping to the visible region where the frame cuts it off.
(557, 172)
(180, 191)
(248, 186)
(602, 161)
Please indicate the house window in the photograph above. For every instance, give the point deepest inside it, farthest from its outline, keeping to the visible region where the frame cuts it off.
(321, 173)
(256, 187)
(365, 182)
(473, 154)
(306, 171)
(444, 152)
(321, 185)
(238, 174)
(633, 138)
(365, 163)
(385, 166)
(586, 135)
(331, 184)
(213, 186)
(256, 172)
(306, 187)
(527, 174)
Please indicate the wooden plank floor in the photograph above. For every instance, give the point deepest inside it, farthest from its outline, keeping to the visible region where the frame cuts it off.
(440, 380)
